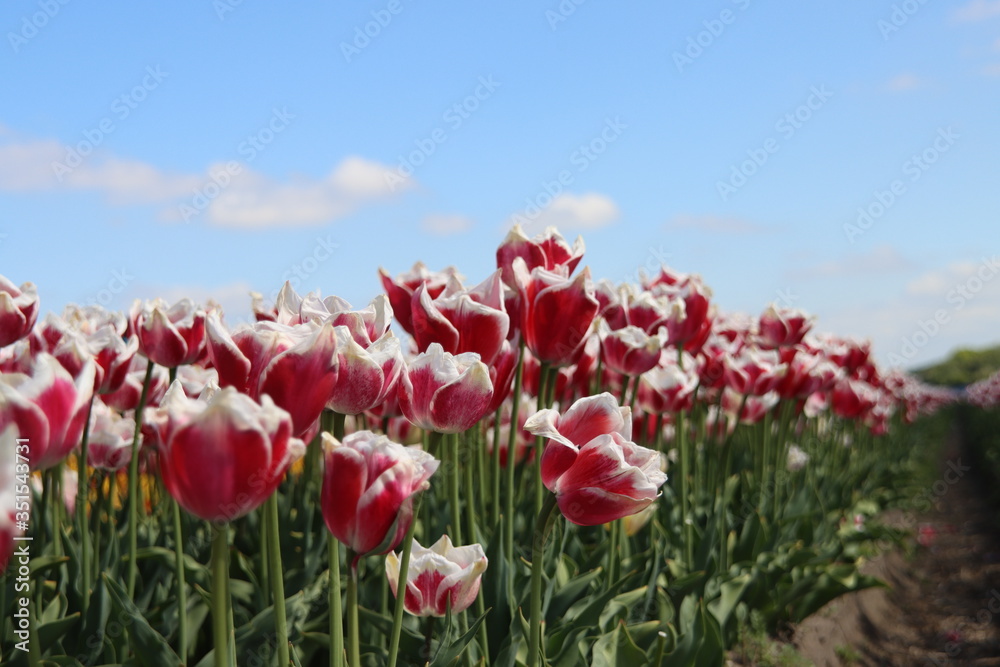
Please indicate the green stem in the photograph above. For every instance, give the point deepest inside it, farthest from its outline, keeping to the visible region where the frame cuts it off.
(404, 567)
(182, 634)
(456, 515)
(542, 526)
(277, 577)
(497, 469)
(336, 613)
(82, 496)
(511, 447)
(471, 493)
(133, 481)
(614, 562)
(635, 391)
(339, 421)
(687, 532)
(220, 594)
(353, 633)
(545, 377)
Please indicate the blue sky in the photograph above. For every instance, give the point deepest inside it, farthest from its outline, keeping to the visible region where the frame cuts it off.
(210, 149)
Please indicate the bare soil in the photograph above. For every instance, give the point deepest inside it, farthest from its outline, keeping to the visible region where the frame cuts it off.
(942, 606)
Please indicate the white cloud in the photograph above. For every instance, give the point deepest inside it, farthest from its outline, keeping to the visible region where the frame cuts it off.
(238, 197)
(716, 224)
(937, 312)
(568, 212)
(978, 10)
(445, 225)
(904, 82)
(881, 260)
(992, 69)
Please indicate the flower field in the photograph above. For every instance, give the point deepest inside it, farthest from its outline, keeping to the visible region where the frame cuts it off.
(540, 469)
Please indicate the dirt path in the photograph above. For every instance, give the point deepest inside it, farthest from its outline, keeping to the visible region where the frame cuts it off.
(944, 604)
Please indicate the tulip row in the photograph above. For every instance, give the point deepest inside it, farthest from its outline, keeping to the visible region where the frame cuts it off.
(313, 452)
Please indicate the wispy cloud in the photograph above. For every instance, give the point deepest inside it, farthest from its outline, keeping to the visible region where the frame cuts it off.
(881, 260)
(569, 212)
(904, 82)
(228, 194)
(445, 225)
(716, 224)
(978, 10)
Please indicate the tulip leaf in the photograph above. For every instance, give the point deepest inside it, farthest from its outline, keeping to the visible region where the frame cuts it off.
(617, 648)
(151, 648)
(454, 651)
(91, 639)
(53, 631)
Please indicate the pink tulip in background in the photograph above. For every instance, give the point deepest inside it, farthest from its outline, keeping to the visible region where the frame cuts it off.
(169, 335)
(556, 312)
(548, 250)
(18, 310)
(439, 577)
(296, 365)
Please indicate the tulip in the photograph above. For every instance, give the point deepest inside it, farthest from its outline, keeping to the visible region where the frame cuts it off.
(295, 365)
(18, 310)
(439, 578)
(586, 419)
(48, 407)
(472, 320)
(365, 376)
(548, 251)
(369, 483)
(170, 336)
(630, 350)
(606, 477)
(668, 388)
(110, 440)
(689, 321)
(221, 457)
(443, 392)
(852, 399)
(783, 328)
(106, 347)
(556, 312)
(127, 396)
(400, 289)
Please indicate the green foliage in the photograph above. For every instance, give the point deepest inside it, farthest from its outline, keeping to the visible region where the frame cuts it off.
(962, 368)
